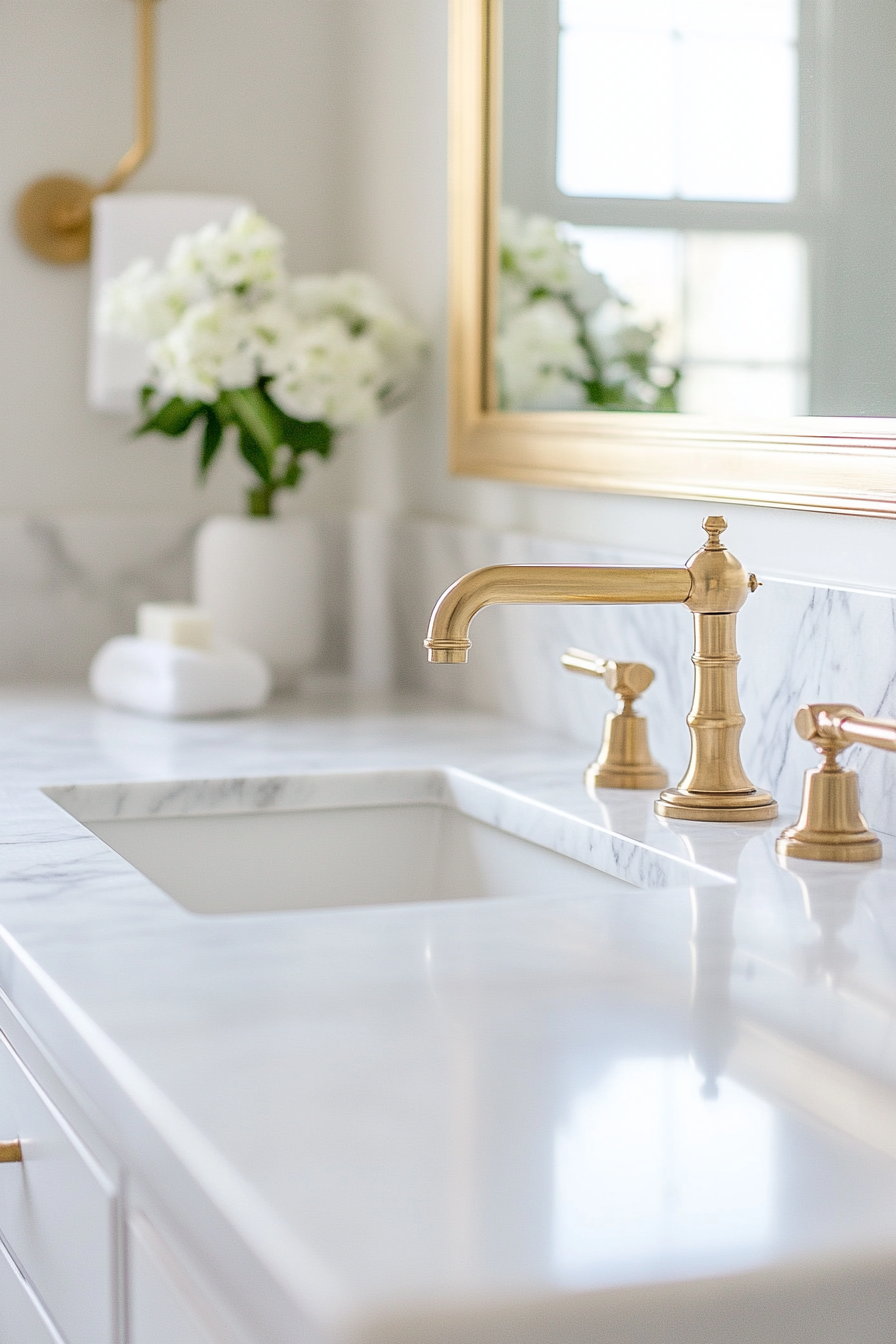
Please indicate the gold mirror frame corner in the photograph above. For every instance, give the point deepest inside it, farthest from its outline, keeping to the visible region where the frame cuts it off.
(828, 465)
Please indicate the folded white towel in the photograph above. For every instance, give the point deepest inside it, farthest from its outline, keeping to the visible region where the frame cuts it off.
(174, 682)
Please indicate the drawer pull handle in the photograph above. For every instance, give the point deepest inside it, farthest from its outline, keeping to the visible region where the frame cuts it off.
(11, 1151)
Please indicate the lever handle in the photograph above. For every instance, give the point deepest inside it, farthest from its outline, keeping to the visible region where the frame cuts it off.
(580, 660)
(625, 761)
(832, 728)
(10, 1151)
(627, 680)
(830, 825)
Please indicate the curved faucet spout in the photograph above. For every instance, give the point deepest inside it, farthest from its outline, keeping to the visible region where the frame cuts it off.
(578, 585)
(713, 586)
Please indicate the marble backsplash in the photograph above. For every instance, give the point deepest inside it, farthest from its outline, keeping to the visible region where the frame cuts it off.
(67, 584)
(797, 643)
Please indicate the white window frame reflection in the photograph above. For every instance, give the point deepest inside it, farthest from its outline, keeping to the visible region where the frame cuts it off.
(636, 82)
(729, 363)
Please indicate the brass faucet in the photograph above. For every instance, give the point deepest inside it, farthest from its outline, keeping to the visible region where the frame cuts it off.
(714, 586)
(624, 761)
(830, 825)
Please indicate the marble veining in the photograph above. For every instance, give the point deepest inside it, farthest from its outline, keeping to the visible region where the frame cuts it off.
(390, 1123)
(554, 819)
(797, 643)
(67, 584)
(70, 582)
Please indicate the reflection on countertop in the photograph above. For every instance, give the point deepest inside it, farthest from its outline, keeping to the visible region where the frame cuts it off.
(429, 1112)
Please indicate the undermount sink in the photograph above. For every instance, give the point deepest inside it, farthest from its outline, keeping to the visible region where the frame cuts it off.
(317, 841)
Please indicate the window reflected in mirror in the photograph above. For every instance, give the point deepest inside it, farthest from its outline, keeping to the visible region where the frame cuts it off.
(696, 216)
(699, 98)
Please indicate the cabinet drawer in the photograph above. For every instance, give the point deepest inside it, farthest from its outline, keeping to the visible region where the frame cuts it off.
(22, 1320)
(57, 1211)
(165, 1301)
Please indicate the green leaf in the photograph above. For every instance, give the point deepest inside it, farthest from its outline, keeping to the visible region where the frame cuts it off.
(291, 476)
(146, 395)
(174, 418)
(256, 456)
(307, 436)
(639, 363)
(258, 417)
(211, 440)
(223, 409)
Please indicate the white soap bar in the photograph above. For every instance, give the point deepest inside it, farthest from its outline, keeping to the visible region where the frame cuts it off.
(175, 623)
(175, 682)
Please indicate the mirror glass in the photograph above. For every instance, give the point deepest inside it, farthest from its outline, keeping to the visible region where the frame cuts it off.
(698, 207)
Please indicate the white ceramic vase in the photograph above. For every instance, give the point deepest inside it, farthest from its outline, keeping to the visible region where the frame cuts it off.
(260, 579)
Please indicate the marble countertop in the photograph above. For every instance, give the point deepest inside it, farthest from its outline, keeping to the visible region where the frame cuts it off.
(631, 1116)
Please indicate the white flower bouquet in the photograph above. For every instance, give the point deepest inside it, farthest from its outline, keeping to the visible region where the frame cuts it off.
(235, 343)
(563, 340)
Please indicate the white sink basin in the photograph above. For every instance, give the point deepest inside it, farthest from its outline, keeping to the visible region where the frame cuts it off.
(319, 841)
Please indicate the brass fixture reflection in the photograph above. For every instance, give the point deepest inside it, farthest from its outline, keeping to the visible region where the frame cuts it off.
(10, 1151)
(830, 825)
(53, 215)
(713, 1022)
(830, 903)
(714, 586)
(624, 761)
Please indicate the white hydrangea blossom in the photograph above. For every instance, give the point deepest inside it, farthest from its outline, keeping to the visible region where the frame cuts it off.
(542, 362)
(245, 256)
(144, 304)
(213, 347)
(363, 305)
(323, 372)
(221, 314)
(565, 339)
(536, 251)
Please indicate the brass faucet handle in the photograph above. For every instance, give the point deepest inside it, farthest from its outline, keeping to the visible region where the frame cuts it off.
(627, 680)
(822, 725)
(580, 660)
(624, 761)
(830, 825)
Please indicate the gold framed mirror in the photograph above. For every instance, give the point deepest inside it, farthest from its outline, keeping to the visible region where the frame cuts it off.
(833, 463)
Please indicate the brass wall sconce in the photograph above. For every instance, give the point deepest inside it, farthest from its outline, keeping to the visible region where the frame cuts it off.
(624, 761)
(830, 825)
(53, 215)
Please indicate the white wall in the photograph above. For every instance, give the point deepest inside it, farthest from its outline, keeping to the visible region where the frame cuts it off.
(332, 115)
(398, 200)
(246, 104)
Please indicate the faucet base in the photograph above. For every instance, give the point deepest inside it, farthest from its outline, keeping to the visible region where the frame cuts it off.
(625, 761)
(682, 805)
(830, 826)
(862, 847)
(602, 776)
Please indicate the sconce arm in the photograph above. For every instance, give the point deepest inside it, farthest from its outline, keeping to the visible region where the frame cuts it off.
(53, 215)
(144, 118)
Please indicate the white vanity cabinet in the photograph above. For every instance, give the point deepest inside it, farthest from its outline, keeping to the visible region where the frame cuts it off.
(58, 1223)
(62, 1239)
(165, 1302)
(23, 1319)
